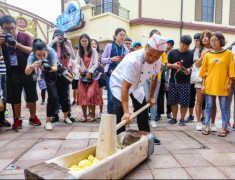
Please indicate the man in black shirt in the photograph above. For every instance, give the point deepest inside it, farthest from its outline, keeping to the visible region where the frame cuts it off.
(179, 86)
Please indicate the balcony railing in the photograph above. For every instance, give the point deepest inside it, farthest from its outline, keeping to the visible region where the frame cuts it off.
(111, 7)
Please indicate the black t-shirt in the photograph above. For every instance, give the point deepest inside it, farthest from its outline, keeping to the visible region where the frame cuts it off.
(186, 60)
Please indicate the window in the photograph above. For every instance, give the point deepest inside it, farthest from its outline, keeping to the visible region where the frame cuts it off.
(208, 10)
(107, 6)
(232, 13)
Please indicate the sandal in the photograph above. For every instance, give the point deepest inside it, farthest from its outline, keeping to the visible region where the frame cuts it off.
(83, 119)
(222, 134)
(206, 132)
(90, 119)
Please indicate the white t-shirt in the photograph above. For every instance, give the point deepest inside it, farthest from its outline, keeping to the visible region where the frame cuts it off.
(73, 63)
(135, 70)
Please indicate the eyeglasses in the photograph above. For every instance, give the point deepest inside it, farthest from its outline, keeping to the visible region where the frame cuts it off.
(215, 41)
(127, 43)
(84, 41)
(9, 30)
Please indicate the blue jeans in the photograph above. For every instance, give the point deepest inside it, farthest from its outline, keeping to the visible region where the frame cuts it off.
(153, 110)
(109, 96)
(230, 98)
(3, 85)
(223, 101)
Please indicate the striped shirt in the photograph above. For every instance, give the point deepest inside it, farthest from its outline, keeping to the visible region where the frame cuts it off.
(2, 67)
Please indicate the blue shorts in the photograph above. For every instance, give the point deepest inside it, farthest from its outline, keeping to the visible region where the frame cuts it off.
(179, 94)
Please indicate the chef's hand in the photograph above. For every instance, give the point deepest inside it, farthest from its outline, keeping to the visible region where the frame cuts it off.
(166, 86)
(88, 75)
(203, 90)
(126, 117)
(176, 66)
(189, 71)
(151, 101)
(116, 59)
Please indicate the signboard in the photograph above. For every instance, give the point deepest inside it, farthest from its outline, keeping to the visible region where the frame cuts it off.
(22, 23)
(70, 18)
(2, 12)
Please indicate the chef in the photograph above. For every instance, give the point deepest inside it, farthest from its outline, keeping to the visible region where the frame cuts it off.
(130, 76)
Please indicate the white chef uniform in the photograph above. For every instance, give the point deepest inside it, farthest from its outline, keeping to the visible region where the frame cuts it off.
(135, 70)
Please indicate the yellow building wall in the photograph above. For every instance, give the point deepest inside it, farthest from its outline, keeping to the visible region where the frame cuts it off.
(13, 13)
(132, 6)
(44, 29)
(162, 9)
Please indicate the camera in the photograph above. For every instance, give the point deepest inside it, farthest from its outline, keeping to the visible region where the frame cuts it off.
(63, 39)
(9, 39)
(46, 65)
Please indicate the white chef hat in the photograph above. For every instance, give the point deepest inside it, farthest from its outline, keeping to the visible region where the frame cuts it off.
(157, 42)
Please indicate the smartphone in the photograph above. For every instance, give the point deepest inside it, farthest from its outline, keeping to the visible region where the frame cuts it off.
(121, 57)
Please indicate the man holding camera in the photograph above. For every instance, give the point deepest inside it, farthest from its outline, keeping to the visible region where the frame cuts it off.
(19, 52)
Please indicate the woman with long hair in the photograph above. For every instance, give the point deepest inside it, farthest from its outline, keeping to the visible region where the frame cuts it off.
(113, 54)
(200, 102)
(88, 94)
(217, 73)
(64, 49)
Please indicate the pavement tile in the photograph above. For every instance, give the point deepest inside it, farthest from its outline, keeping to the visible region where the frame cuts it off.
(163, 134)
(4, 163)
(217, 159)
(26, 164)
(75, 143)
(12, 154)
(232, 155)
(142, 166)
(55, 135)
(228, 171)
(46, 144)
(179, 149)
(18, 144)
(162, 161)
(92, 142)
(65, 151)
(221, 148)
(81, 129)
(4, 142)
(191, 160)
(139, 174)
(30, 136)
(62, 128)
(78, 135)
(194, 145)
(205, 173)
(159, 128)
(95, 129)
(37, 129)
(12, 172)
(12, 176)
(173, 173)
(175, 128)
(94, 135)
(160, 149)
(9, 136)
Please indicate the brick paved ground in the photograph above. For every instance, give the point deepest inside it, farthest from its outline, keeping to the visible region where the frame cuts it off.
(184, 153)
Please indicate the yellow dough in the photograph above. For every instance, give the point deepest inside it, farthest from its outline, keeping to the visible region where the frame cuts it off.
(95, 161)
(84, 163)
(91, 158)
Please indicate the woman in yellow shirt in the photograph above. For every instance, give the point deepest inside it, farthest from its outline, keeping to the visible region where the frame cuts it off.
(217, 73)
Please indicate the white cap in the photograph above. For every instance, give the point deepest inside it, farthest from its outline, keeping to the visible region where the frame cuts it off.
(157, 42)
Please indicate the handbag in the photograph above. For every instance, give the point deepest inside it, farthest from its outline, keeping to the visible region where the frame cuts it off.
(195, 75)
(66, 75)
(85, 80)
(110, 70)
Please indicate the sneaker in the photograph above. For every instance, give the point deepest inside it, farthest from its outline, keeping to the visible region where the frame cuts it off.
(189, 119)
(158, 117)
(172, 121)
(74, 102)
(88, 113)
(55, 119)
(233, 127)
(182, 122)
(169, 116)
(68, 121)
(99, 116)
(5, 123)
(157, 141)
(213, 127)
(48, 126)
(153, 124)
(6, 113)
(17, 123)
(199, 126)
(35, 121)
(43, 102)
(71, 117)
(203, 120)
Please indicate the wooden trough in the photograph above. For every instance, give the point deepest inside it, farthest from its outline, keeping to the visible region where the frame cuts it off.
(140, 147)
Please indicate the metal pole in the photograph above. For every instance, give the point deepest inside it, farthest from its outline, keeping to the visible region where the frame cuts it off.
(181, 17)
